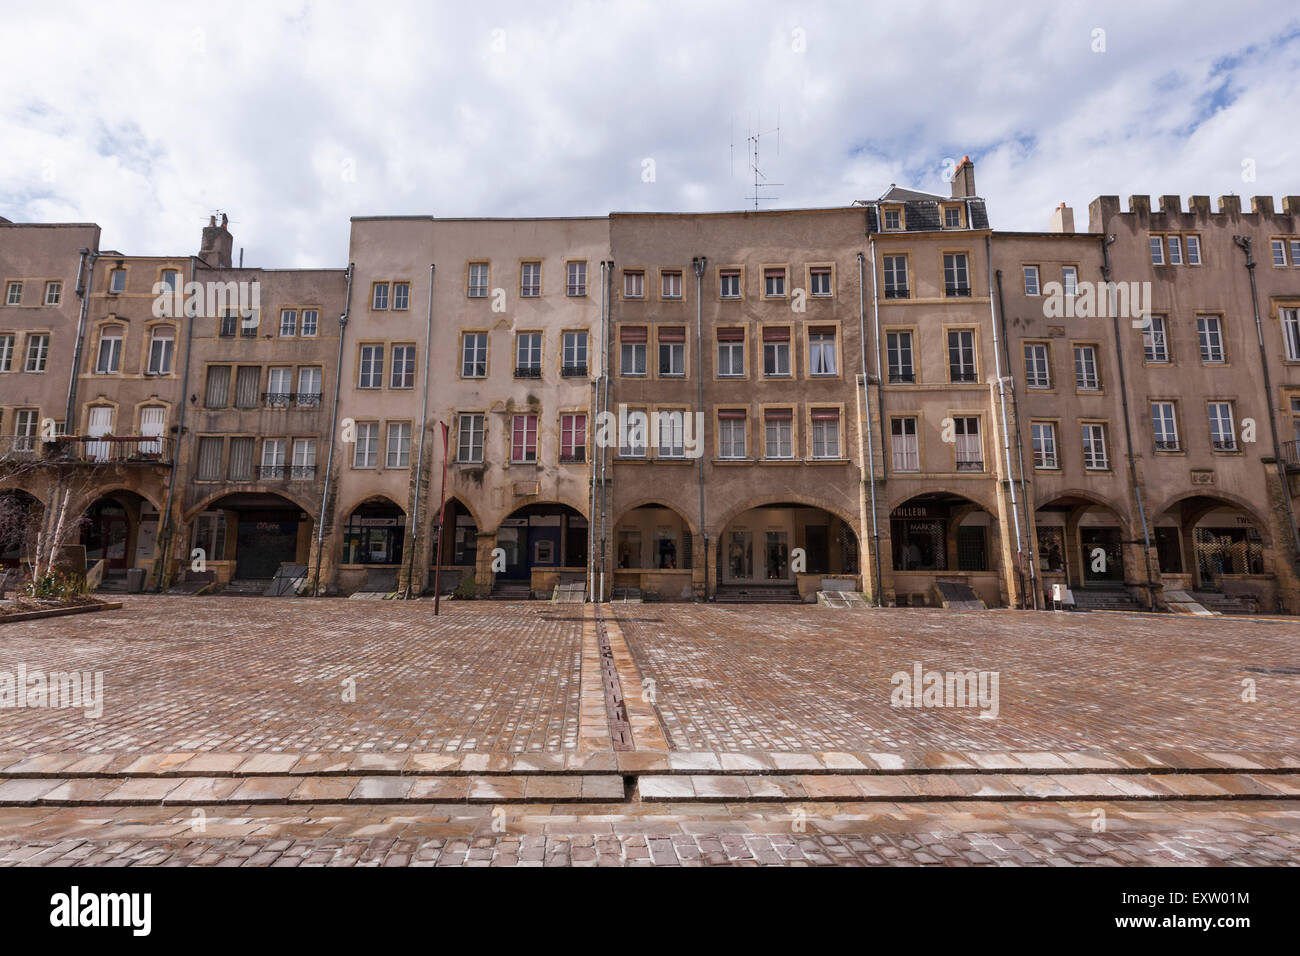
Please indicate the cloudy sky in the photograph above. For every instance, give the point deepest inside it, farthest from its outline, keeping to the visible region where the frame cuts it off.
(293, 117)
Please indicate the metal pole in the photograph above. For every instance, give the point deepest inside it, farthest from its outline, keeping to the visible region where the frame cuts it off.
(699, 263)
(334, 424)
(419, 465)
(164, 520)
(442, 521)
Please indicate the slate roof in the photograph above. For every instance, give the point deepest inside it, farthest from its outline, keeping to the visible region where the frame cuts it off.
(921, 211)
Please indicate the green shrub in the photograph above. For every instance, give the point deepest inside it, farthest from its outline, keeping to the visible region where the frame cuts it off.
(467, 589)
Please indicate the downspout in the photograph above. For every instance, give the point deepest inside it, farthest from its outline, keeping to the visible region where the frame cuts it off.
(83, 292)
(165, 520)
(606, 292)
(1244, 242)
(334, 424)
(1002, 405)
(1020, 445)
(1128, 428)
(699, 262)
(419, 464)
(865, 425)
(880, 394)
(592, 410)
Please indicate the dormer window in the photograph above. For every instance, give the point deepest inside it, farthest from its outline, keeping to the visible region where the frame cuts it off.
(893, 219)
(952, 217)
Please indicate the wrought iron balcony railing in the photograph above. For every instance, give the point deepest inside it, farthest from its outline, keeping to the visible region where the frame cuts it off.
(291, 399)
(286, 472)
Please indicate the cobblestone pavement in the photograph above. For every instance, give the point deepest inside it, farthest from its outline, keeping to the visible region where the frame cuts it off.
(959, 834)
(252, 674)
(809, 678)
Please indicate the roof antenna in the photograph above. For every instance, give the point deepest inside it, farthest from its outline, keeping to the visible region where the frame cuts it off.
(760, 180)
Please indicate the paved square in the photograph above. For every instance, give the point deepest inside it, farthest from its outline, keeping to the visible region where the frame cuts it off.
(809, 678)
(252, 674)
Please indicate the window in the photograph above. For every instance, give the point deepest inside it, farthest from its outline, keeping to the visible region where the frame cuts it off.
(903, 443)
(1164, 426)
(250, 324)
(1295, 252)
(117, 281)
(310, 320)
(819, 281)
(273, 452)
(825, 433)
(573, 438)
(309, 379)
(209, 469)
(53, 293)
(672, 432)
(6, 353)
(1279, 254)
(778, 433)
(399, 445)
(1070, 280)
(530, 279)
(171, 280)
(1290, 335)
(672, 351)
(247, 380)
(1155, 342)
(1085, 368)
(469, 438)
(1209, 332)
(370, 373)
(952, 217)
(896, 277)
(633, 436)
(478, 280)
(229, 325)
(217, 391)
(288, 323)
(473, 355)
(731, 433)
(379, 296)
(304, 458)
(528, 355)
(1044, 439)
(1157, 251)
(1175, 244)
(38, 350)
(401, 295)
(731, 353)
(632, 349)
(365, 454)
(1223, 436)
(961, 355)
(240, 467)
(729, 284)
(821, 351)
(25, 429)
(162, 345)
(898, 347)
(279, 385)
(1031, 281)
(403, 368)
(1038, 373)
(14, 294)
(968, 447)
(633, 284)
(523, 439)
(1094, 447)
(774, 283)
(956, 276)
(670, 285)
(893, 219)
(1193, 250)
(109, 361)
(574, 354)
(776, 351)
(575, 278)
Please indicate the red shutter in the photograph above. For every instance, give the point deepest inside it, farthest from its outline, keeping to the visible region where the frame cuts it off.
(821, 330)
(731, 335)
(672, 333)
(633, 333)
(825, 414)
(779, 414)
(732, 413)
(779, 333)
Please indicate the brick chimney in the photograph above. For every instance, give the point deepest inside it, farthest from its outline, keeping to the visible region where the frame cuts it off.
(1062, 219)
(963, 179)
(217, 243)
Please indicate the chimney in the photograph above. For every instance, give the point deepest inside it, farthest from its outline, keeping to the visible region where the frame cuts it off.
(963, 179)
(1062, 219)
(217, 243)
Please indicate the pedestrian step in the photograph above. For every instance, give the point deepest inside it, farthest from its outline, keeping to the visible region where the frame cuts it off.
(757, 594)
(1105, 599)
(1220, 603)
(246, 587)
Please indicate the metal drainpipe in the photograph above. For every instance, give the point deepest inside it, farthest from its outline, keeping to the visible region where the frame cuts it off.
(606, 291)
(591, 494)
(1020, 444)
(1128, 428)
(699, 263)
(424, 428)
(866, 425)
(1245, 243)
(880, 394)
(1002, 404)
(83, 292)
(334, 424)
(165, 519)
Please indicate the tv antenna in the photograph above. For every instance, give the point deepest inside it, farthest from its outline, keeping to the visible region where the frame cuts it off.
(752, 144)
